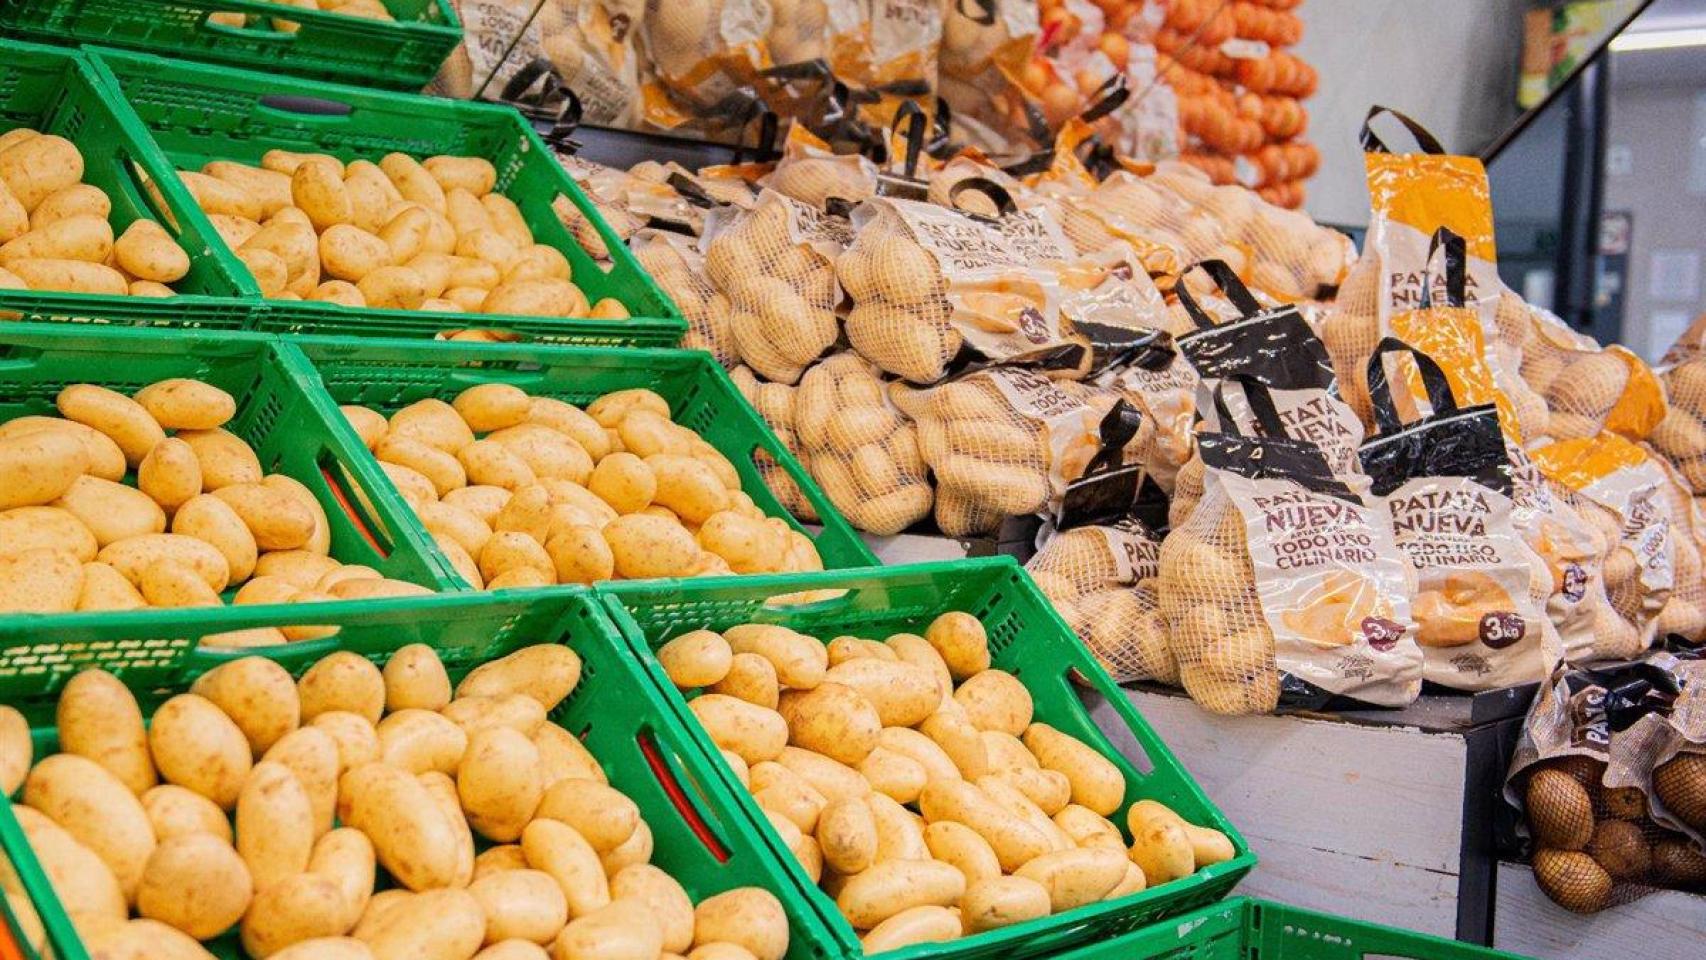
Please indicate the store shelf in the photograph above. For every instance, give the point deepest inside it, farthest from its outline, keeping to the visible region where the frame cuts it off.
(1665, 925)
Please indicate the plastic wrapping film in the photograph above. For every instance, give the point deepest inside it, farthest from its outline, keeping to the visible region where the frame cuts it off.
(1284, 586)
(1102, 580)
(703, 61)
(863, 453)
(886, 53)
(1623, 490)
(1445, 480)
(986, 47)
(775, 403)
(777, 265)
(1413, 198)
(810, 172)
(1610, 773)
(674, 261)
(1001, 442)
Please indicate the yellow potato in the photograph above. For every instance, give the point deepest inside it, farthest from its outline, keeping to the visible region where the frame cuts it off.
(278, 520)
(217, 196)
(340, 292)
(72, 276)
(105, 459)
(225, 458)
(698, 658)
(106, 589)
(16, 749)
(275, 824)
(257, 694)
(38, 468)
(558, 850)
(575, 423)
(35, 167)
(411, 837)
(77, 200)
(117, 416)
(995, 700)
(520, 904)
(421, 740)
(170, 474)
(301, 569)
(286, 162)
(1096, 782)
(83, 882)
(891, 886)
(195, 883)
(752, 732)
(271, 188)
(87, 239)
(959, 638)
(609, 308)
(146, 251)
(415, 677)
(112, 511)
(357, 740)
(621, 929)
(345, 856)
(98, 810)
(499, 784)
(392, 288)
(371, 195)
(342, 681)
(563, 756)
(312, 755)
(751, 678)
(348, 252)
(434, 423)
(490, 463)
(535, 298)
(442, 789)
(747, 917)
(34, 528)
(318, 190)
(132, 555)
(302, 907)
(325, 948)
(175, 811)
(40, 581)
(196, 746)
(492, 406)
(473, 174)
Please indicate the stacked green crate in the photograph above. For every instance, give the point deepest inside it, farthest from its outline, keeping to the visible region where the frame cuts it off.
(198, 113)
(57, 92)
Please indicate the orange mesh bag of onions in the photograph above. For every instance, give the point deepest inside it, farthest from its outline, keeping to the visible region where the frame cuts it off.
(775, 403)
(1284, 586)
(863, 453)
(776, 264)
(1002, 442)
(1102, 579)
(1610, 775)
(675, 262)
(1623, 491)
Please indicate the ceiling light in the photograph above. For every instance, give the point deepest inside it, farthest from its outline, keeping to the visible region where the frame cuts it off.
(1659, 40)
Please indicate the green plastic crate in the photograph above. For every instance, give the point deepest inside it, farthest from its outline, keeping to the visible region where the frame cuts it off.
(403, 55)
(57, 91)
(292, 427)
(1026, 637)
(1246, 929)
(613, 710)
(198, 113)
(389, 374)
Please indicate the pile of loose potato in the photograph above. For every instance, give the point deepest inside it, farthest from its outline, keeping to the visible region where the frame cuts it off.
(54, 231)
(74, 535)
(399, 235)
(910, 781)
(269, 805)
(523, 491)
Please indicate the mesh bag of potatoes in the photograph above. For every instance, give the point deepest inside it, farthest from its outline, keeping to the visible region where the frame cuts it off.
(886, 53)
(1445, 479)
(591, 45)
(1624, 492)
(776, 264)
(1684, 613)
(1610, 774)
(198, 517)
(1291, 256)
(926, 281)
(1161, 384)
(1681, 435)
(985, 48)
(1589, 388)
(775, 403)
(862, 451)
(1002, 442)
(339, 815)
(810, 172)
(1102, 579)
(55, 232)
(1284, 586)
(521, 491)
(396, 235)
(676, 263)
(909, 777)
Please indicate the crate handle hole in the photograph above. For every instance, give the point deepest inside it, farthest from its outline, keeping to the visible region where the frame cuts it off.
(355, 505)
(663, 770)
(1114, 734)
(307, 108)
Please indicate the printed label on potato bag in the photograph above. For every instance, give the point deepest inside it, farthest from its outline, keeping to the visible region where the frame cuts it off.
(1069, 425)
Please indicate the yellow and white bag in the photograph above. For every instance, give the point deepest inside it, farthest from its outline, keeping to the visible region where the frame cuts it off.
(1101, 578)
(702, 57)
(1445, 480)
(1588, 388)
(1623, 489)
(1284, 586)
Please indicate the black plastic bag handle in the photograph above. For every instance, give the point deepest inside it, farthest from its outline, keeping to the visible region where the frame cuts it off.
(1434, 381)
(1371, 142)
(1456, 257)
(1002, 198)
(1260, 400)
(911, 120)
(1227, 282)
(984, 14)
